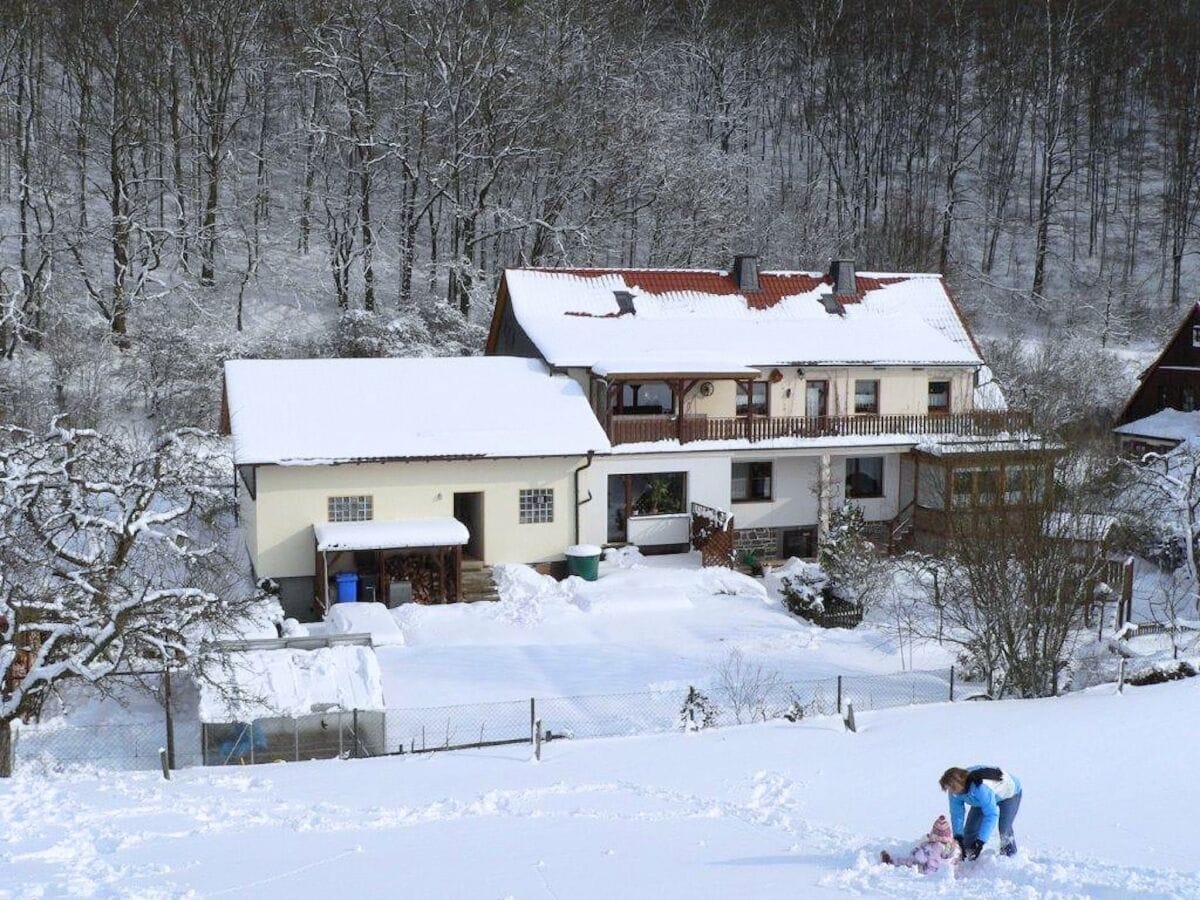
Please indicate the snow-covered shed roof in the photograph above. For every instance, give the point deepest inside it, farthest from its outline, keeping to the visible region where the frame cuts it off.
(1164, 425)
(573, 318)
(391, 535)
(312, 411)
(260, 684)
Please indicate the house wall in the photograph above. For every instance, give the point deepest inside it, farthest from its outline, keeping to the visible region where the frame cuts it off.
(1175, 372)
(248, 521)
(902, 390)
(794, 502)
(292, 498)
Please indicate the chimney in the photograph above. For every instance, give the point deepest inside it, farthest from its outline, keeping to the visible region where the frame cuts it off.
(624, 303)
(745, 272)
(842, 273)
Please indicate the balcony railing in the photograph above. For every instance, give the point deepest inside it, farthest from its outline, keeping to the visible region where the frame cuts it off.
(647, 429)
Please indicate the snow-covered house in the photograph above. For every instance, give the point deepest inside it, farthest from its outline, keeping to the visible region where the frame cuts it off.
(1165, 408)
(397, 469)
(775, 395)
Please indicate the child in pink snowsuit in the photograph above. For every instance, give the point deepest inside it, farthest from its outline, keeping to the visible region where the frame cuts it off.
(938, 849)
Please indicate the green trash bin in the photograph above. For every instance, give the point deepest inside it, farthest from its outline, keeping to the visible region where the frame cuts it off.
(584, 560)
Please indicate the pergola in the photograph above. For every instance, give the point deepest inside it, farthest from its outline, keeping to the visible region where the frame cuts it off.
(425, 552)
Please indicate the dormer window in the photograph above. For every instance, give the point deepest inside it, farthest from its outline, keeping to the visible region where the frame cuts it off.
(1196, 335)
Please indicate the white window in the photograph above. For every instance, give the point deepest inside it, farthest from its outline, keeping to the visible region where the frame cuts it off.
(359, 508)
(1196, 335)
(536, 506)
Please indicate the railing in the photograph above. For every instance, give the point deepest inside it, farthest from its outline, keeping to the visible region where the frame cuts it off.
(648, 429)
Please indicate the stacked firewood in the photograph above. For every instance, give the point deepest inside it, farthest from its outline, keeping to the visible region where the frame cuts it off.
(421, 570)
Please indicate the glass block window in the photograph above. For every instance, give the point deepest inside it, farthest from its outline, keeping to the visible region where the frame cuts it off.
(352, 509)
(536, 506)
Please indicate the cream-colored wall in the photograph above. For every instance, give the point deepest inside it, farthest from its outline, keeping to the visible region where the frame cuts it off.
(902, 390)
(292, 498)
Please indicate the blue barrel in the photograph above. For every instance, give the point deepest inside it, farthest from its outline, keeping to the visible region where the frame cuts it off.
(347, 586)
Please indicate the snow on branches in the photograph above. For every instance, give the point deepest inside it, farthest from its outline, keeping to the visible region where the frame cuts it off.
(107, 558)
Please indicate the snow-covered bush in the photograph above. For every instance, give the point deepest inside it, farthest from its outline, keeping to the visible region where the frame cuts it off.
(1176, 670)
(856, 573)
(804, 589)
(698, 711)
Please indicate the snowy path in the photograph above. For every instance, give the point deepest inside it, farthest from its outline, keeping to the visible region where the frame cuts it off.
(763, 811)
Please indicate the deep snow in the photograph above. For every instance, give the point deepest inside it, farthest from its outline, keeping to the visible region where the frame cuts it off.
(761, 811)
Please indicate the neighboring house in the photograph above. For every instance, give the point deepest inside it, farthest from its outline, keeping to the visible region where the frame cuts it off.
(1163, 410)
(775, 395)
(396, 469)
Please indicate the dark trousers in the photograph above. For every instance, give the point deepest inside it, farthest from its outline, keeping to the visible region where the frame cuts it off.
(1008, 812)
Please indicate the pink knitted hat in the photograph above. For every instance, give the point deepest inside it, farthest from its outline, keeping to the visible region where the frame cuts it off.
(941, 829)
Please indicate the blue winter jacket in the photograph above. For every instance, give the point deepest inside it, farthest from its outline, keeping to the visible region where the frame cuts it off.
(986, 795)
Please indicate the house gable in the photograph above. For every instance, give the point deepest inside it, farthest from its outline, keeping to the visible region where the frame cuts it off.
(1173, 381)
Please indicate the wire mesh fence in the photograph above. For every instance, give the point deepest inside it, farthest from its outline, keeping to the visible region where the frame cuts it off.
(349, 734)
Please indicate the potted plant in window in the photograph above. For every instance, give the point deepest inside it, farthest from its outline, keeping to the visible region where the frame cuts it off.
(658, 498)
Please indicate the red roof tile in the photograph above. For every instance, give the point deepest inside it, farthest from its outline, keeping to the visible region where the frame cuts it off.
(773, 287)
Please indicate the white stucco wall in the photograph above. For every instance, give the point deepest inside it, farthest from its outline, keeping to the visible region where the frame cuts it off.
(707, 482)
(291, 498)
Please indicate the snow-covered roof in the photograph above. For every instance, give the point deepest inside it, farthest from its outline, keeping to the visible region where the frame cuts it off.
(573, 318)
(266, 683)
(311, 411)
(694, 367)
(1164, 425)
(391, 535)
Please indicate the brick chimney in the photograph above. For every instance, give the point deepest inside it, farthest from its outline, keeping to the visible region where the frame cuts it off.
(745, 272)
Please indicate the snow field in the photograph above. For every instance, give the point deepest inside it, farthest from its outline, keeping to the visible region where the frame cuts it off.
(769, 811)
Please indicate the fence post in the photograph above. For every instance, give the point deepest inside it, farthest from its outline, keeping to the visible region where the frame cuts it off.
(839, 695)
(849, 720)
(952, 684)
(532, 719)
(250, 726)
(537, 740)
(354, 732)
(1121, 676)
(204, 743)
(163, 754)
(170, 717)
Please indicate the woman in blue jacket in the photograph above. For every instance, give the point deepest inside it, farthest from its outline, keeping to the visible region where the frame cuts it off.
(994, 797)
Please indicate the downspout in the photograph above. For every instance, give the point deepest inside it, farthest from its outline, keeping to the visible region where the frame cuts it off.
(588, 499)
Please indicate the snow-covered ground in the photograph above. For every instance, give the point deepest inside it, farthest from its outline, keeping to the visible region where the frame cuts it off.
(760, 811)
(654, 623)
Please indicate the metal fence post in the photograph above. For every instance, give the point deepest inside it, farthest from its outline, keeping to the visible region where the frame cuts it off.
(296, 740)
(952, 684)
(532, 720)
(537, 742)
(354, 732)
(1121, 676)
(204, 743)
(250, 726)
(170, 717)
(839, 695)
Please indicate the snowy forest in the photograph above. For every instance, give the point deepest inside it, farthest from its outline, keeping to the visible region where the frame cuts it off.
(186, 180)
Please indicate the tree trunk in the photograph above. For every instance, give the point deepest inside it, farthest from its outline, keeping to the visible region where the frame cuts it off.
(7, 762)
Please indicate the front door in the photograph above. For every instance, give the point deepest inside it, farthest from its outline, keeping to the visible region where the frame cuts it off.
(816, 399)
(468, 509)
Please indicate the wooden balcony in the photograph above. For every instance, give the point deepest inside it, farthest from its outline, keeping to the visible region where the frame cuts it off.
(647, 429)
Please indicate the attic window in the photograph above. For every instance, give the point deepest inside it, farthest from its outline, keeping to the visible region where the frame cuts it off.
(1196, 335)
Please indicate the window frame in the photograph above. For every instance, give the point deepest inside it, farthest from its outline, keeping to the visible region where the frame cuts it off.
(750, 479)
(939, 410)
(873, 410)
(1196, 335)
(535, 506)
(352, 505)
(854, 467)
(752, 406)
(619, 408)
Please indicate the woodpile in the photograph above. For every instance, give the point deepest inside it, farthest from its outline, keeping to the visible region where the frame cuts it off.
(431, 574)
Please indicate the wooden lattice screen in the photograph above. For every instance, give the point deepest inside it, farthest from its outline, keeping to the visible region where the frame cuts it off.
(712, 535)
